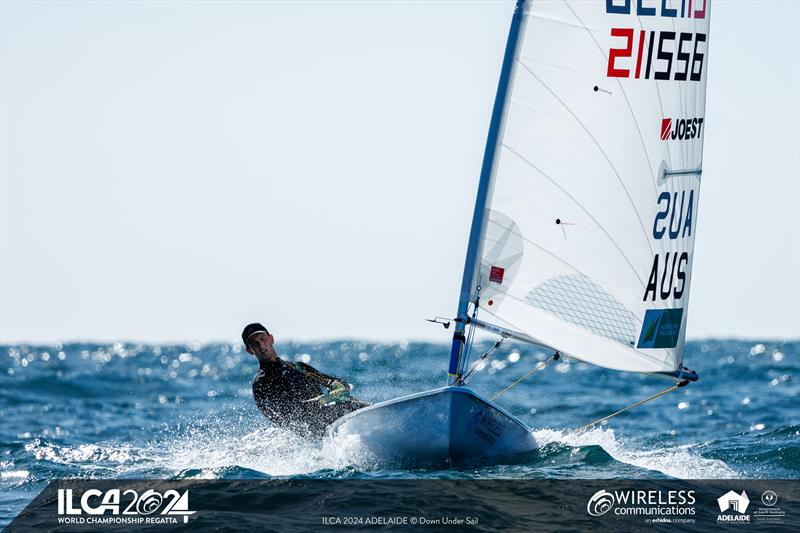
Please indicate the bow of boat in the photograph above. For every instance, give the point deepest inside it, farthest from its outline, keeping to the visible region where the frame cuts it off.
(446, 426)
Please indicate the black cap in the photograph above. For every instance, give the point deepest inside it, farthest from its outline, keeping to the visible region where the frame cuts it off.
(250, 329)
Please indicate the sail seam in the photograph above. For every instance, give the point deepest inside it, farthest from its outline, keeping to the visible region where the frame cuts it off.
(625, 96)
(545, 250)
(600, 148)
(579, 204)
(658, 95)
(564, 262)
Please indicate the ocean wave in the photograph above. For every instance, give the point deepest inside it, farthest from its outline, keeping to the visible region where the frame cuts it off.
(680, 462)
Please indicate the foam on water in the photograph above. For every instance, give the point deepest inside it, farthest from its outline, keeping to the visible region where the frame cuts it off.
(679, 461)
(269, 450)
(209, 449)
(15, 474)
(206, 450)
(87, 456)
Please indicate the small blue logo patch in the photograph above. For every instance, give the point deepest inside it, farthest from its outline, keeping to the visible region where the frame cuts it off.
(661, 328)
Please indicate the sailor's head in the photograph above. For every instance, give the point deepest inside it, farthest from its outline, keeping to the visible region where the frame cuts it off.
(259, 342)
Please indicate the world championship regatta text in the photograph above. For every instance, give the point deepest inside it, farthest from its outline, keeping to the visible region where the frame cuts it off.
(656, 54)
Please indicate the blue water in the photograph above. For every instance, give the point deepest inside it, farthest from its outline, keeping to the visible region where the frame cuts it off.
(186, 411)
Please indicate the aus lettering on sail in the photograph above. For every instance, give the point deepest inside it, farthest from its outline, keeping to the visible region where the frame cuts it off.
(673, 221)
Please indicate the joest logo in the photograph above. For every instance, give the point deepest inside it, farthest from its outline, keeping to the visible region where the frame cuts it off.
(681, 129)
(135, 508)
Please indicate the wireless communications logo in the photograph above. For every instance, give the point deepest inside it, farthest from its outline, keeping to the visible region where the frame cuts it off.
(128, 507)
(600, 503)
(654, 506)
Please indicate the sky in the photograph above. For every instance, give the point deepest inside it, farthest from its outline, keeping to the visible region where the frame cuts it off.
(170, 171)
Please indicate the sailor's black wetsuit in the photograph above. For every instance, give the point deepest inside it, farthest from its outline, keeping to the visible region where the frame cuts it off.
(285, 393)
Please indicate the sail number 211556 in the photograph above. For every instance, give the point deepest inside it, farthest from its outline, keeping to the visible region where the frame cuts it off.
(659, 55)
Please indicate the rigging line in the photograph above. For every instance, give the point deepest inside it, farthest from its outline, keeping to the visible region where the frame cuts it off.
(653, 397)
(471, 334)
(607, 234)
(537, 368)
(470, 337)
(481, 362)
(608, 159)
(624, 95)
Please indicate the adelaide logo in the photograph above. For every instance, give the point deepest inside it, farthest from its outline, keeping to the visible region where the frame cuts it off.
(600, 503)
(733, 508)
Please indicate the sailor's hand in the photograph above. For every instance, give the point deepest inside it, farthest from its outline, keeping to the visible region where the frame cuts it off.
(336, 385)
(338, 393)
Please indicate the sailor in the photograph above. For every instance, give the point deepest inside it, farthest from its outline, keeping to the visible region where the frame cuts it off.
(291, 394)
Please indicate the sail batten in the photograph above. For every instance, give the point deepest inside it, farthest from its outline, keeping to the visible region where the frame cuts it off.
(587, 236)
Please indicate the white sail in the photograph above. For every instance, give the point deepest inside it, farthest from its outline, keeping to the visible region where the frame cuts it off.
(588, 238)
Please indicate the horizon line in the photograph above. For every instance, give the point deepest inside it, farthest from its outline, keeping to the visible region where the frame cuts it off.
(327, 340)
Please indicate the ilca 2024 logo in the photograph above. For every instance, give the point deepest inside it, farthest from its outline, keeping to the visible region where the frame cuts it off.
(681, 129)
(115, 506)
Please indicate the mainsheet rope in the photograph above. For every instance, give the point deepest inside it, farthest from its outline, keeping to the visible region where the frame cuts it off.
(540, 366)
(653, 397)
(555, 357)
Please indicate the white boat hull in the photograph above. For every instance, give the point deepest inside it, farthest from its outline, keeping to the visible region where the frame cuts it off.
(447, 426)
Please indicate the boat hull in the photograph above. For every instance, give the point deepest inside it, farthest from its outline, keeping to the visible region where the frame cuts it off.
(447, 426)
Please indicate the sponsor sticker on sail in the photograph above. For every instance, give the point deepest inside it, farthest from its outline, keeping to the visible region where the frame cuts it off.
(496, 274)
(681, 129)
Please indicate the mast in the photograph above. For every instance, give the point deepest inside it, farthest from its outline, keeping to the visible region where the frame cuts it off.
(474, 249)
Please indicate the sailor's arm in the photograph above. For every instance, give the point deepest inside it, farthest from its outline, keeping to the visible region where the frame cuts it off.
(260, 396)
(329, 381)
